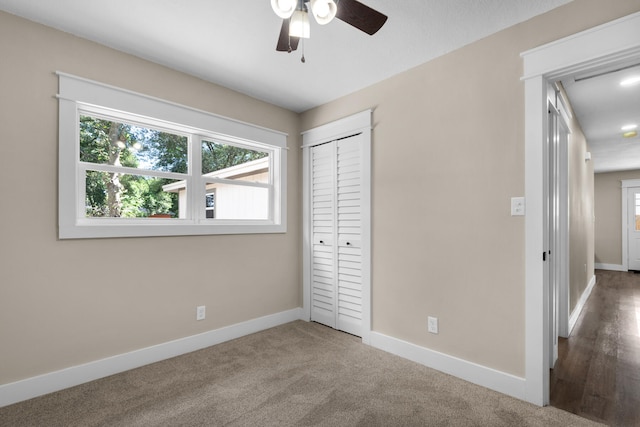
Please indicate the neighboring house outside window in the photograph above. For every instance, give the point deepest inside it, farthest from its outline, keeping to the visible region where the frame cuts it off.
(225, 201)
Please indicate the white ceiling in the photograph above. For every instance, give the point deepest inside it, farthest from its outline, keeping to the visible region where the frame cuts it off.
(232, 43)
(602, 107)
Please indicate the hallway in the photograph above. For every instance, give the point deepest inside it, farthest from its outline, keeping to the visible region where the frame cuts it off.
(597, 375)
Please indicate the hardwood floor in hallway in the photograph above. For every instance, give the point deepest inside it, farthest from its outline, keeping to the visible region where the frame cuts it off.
(597, 375)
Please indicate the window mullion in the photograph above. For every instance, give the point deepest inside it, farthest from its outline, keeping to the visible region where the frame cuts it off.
(196, 189)
(128, 170)
(81, 190)
(272, 181)
(206, 180)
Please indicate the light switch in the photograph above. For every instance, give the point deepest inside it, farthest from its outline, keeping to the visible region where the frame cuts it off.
(517, 206)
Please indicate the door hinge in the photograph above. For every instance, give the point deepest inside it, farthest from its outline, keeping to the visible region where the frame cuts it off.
(544, 256)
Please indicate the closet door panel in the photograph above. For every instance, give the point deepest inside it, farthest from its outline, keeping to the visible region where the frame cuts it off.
(323, 225)
(349, 231)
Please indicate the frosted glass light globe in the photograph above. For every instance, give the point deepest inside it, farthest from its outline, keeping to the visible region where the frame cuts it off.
(321, 8)
(283, 8)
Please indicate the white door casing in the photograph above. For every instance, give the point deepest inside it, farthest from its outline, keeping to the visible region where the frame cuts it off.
(562, 237)
(551, 219)
(613, 43)
(336, 224)
(557, 216)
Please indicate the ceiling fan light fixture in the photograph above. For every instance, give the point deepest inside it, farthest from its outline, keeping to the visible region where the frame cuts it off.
(299, 26)
(284, 8)
(323, 11)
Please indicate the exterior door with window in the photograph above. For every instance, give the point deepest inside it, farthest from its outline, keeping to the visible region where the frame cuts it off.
(633, 227)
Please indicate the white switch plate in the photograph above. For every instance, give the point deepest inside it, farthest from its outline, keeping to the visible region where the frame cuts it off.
(517, 206)
(201, 312)
(432, 324)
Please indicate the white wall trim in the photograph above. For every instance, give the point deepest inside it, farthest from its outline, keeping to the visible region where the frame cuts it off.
(610, 267)
(626, 183)
(562, 241)
(625, 234)
(608, 44)
(581, 302)
(613, 41)
(75, 375)
(487, 377)
(337, 129)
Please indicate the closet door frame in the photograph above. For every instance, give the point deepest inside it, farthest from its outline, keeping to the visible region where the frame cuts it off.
(359, 123)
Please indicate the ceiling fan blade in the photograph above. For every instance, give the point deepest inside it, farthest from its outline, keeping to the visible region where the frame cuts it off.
(286, 43)
(360, 16)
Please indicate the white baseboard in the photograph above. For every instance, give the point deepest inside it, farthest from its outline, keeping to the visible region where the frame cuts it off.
(611, 267)
(468, 371)
(75, 375)
(573, 318)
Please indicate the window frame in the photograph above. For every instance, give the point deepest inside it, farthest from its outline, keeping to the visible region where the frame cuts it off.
(78, 96)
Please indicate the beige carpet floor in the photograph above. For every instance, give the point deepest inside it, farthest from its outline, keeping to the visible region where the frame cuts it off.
(298, 374)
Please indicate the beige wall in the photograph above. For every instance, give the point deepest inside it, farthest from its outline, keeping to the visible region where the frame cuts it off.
(581, 214)
(608, 209)
(59, 304)
(450, 134)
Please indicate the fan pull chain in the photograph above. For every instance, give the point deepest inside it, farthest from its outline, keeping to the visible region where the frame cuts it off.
(302, 59)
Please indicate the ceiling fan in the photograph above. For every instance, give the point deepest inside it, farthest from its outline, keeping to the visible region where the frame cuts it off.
(295, 15)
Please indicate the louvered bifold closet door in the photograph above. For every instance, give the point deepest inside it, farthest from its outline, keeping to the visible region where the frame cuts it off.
(323, 224)
(336, 222)
(349, 235)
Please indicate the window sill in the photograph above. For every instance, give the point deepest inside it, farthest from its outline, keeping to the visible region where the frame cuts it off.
(162, 228)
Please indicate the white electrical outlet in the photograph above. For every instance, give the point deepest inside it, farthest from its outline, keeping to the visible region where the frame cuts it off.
(432, 324)
(517, 206)
(201, 312)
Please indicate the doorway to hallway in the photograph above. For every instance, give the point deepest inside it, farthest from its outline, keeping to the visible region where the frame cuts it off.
(607, 45)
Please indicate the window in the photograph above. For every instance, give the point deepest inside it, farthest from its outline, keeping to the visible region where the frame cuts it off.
(131, 165)
(637, 199)
(210, 204)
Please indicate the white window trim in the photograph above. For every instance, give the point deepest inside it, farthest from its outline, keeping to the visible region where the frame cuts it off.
(76, 94)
